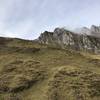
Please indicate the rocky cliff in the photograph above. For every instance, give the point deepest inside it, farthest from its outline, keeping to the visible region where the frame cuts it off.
(71, 40)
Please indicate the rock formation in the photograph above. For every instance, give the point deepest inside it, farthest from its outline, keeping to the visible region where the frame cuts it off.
(71, 40)
(93, 30)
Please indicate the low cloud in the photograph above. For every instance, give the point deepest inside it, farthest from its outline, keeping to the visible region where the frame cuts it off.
(28, 18)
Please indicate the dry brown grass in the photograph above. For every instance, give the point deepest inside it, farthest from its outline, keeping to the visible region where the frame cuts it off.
(30, 71)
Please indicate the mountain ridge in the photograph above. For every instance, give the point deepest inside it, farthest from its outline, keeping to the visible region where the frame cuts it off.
(29, 68)
(93, 30)
(67, 39)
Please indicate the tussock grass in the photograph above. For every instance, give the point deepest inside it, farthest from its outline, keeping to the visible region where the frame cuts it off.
(32, 71)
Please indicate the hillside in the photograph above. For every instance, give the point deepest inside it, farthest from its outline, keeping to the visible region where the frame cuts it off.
(33, 71)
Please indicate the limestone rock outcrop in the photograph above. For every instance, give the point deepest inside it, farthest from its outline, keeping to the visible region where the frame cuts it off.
(71, 40)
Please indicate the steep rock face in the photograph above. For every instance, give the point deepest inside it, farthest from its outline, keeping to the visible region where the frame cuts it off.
(67, 39)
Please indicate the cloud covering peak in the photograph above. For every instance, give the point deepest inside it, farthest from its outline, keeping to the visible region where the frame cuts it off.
(27, 18)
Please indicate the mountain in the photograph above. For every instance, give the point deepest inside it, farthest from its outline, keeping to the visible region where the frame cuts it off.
(67, 39)
(93, 31)
(53, 67)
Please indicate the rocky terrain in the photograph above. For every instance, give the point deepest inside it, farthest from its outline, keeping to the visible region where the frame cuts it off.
(60, 65)
(67, 39)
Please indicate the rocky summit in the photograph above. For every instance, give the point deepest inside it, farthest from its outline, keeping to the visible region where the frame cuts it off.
(67, 39)
(93, 30)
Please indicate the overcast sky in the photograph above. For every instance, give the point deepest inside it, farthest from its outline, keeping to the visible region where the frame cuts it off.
(28, 18)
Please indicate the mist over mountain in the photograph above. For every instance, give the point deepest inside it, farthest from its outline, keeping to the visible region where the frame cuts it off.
(93, 30)
(57, 66)
(49, 50)
(85, 40)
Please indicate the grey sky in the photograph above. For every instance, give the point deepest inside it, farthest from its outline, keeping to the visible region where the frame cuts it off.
(28, 18)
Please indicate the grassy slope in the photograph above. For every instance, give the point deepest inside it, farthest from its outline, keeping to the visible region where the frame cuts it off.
(30, 71)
